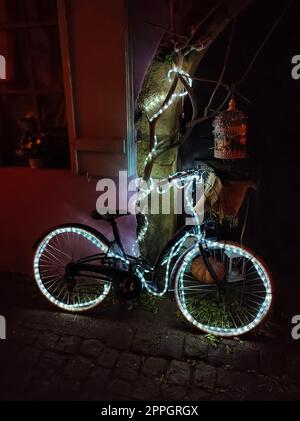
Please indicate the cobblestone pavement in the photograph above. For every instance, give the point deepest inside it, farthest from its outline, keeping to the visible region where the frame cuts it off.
(57, 356)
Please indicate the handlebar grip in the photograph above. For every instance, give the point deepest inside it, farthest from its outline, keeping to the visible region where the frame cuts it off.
(182, 174)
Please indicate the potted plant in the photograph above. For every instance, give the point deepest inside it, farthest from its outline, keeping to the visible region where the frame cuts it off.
(32, 144)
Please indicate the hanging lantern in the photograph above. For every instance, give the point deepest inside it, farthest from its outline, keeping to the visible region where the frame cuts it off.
(230, 132)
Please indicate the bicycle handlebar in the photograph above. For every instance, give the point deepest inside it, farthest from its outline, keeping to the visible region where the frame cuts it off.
(182, 174)
(188, 173)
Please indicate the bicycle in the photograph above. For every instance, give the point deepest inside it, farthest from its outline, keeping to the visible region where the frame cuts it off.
(221, 288)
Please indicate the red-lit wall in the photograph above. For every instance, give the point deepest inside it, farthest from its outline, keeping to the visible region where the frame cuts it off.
(93, 52)
(32, 201)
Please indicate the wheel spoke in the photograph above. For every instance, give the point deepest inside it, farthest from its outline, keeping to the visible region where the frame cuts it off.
(59, 251)
(54, 257)
(54, 252)
(243, 298)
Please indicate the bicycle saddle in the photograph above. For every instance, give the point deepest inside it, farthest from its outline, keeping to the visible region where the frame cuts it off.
(109, 216)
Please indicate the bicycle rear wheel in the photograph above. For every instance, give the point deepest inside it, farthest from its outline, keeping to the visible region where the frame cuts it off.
(246, 300)
(55, 251)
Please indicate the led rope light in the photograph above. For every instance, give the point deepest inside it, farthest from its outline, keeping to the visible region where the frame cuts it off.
(173, 252)
(174, 70)
(176, 95)
(216, 330)
(173, 98)
(40, 250)
(180, 182)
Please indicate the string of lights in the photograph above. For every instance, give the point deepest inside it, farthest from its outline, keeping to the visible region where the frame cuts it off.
(144, 193)
(176, 95)
(185, 182)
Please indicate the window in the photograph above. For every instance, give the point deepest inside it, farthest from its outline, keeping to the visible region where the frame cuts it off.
(31, 63)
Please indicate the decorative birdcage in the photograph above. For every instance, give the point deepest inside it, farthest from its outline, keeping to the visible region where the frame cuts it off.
(230, 132)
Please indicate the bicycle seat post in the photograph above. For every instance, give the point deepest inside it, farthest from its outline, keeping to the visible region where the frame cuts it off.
(116, 233)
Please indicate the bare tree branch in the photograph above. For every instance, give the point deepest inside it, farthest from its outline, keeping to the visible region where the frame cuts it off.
(228, 50)
(263, 44)
(167, 31)
(171, 16)
(223, 85)
(192, 96)
(216, 112)
(195, 29)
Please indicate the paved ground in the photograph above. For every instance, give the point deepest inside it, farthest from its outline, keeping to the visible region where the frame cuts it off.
(116, 354)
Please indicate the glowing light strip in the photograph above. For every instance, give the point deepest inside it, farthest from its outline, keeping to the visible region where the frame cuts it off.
(164, 108)
(175, 96)
(41, 248)
(174, 70)
(175, 250)
(216, 330)
(180, 183)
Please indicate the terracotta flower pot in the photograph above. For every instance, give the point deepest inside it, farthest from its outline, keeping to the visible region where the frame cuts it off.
(36, 163)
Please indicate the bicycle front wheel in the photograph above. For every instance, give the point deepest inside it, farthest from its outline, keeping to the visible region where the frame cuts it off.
(245, 301)
(55, 251)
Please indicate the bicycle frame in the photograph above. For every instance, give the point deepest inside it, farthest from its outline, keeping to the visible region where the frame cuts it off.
(108, 259)
(137, 265)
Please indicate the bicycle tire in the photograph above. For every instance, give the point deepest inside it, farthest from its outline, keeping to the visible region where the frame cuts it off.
(246, 301)
(54, 251)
